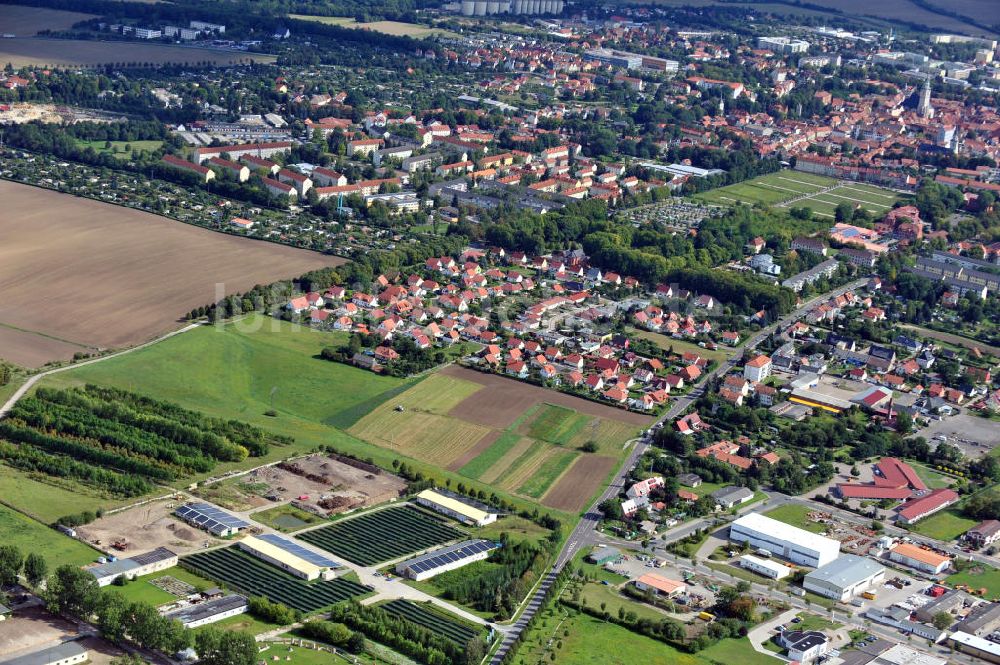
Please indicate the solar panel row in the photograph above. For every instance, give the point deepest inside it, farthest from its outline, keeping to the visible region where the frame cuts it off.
(294, 548)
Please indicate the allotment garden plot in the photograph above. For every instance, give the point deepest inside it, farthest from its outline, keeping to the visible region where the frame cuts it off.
(383, 535)
(242, 572)
(794, 189)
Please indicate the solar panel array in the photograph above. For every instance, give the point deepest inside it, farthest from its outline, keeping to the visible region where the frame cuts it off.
(293, 547)
(448, 555)
(209, 517)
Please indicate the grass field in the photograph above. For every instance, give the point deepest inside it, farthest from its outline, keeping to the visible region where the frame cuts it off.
(794, 514)
(50, 499)
(141, 589)
(31, 536)
(394, 28)
(979, 576)
(123, 149)
(585, 640)
(931, 478)
(945, 525)
(819, 193)
(816, 622)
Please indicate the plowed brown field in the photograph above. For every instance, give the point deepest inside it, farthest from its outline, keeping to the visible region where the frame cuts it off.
(94, 275)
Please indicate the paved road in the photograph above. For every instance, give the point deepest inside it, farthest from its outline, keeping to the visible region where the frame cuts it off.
(585, 534)
(23, 390)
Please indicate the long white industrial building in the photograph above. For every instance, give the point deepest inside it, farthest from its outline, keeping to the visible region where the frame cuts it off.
(784, 540)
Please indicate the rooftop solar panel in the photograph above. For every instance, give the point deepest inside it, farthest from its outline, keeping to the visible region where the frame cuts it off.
(448, 555)
(298, 550)
(210, 517)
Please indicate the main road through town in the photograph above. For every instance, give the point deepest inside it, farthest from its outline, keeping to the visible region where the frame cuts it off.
(585, 534)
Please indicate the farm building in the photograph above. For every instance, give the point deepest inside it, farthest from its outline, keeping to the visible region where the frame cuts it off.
(142, 564)
(789, 542)
(765, 567)
(445, 559)
(458, 507)
(913, 556)
(845, 577)
(290, 556)
(66, 653)
(659, 585)
(214, 520)
(210, 611)
(604, 554)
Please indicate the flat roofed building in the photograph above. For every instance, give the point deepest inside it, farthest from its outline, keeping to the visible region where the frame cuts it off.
(982, 620)
(210, 611)
(136, 566)
(67, 653)
(975, 646)
(765, 567)
(900, 654)
(294, 559)
(783, 540)
(462, 509)
(916, 557)
(845, 577)
(659, 585)
(447, 558)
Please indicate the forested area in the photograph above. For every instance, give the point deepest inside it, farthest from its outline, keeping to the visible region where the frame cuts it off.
(120, 442)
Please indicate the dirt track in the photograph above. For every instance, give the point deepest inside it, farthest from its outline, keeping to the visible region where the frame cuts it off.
(587, 472)
(508, 398)
(100, 275)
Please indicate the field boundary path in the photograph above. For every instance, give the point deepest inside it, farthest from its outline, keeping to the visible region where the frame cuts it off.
(23, 390)
(585, 533)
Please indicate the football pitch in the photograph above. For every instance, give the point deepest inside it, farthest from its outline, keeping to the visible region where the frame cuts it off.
(793, 189)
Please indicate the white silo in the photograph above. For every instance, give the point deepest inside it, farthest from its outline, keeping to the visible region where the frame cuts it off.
(468, 7)
(480, 8)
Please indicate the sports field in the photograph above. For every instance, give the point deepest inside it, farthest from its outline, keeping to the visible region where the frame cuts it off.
(794, 189)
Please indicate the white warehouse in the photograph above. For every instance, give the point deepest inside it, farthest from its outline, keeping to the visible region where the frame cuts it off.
(783, 540)
(765, 567)
(845, 577)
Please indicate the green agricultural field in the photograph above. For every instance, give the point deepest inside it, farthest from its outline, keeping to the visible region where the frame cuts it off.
(487, 459)
(547, 474)
(796, 515)
(30, 536)
(945, 526)
(979, 576)
(123, 149)
(555, 424)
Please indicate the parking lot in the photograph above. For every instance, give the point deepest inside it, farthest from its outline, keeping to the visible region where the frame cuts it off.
(973, 435)
(697, 595)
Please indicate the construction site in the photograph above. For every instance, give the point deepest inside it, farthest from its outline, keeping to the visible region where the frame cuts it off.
(144, 528)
